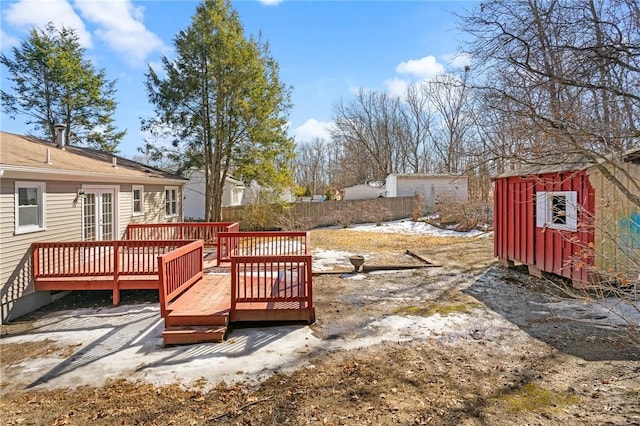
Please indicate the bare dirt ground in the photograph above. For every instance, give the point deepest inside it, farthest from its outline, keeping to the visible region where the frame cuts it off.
(466, 343)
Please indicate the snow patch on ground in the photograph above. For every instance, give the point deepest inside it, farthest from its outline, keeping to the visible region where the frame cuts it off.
(406, 226)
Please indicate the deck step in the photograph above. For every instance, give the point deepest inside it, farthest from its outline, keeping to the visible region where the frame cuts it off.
(190, 318)
(193, 334)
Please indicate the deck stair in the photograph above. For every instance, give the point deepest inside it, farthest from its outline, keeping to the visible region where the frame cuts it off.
(201, 313)
(193, 334)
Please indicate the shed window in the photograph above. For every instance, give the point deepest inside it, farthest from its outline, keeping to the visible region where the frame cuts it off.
(557, 210)
(29, 207)
(138, 200)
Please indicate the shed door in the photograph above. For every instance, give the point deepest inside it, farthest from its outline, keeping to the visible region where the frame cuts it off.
(98, 214)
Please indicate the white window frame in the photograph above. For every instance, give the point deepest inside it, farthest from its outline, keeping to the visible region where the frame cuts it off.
(236, 196)
(544, 210)
(42, 195)
(116, 206)
(135, 188)
(174, 200)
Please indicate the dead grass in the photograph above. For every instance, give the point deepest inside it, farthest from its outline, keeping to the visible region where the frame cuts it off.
(349, 240)
(534, 398)
(13, 353)
(451, 302)
(410, 383)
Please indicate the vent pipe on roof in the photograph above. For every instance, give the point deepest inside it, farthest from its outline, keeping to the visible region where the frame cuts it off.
(60, 128)
(48, 156)
(114, 160)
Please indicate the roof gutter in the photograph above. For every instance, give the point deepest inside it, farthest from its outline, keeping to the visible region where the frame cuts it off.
(24, 172)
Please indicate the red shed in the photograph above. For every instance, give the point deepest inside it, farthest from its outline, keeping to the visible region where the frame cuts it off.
(568, 220)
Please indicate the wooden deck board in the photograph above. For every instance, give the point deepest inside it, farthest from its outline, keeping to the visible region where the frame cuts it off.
(210, 295)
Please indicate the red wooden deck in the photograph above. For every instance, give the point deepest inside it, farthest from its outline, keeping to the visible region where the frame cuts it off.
(196, 307)
(202, 313)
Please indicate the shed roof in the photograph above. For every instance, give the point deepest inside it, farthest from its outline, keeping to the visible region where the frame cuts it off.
(29, 154)
(632, 155)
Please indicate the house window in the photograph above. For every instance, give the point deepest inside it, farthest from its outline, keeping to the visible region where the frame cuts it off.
(171, 201)
(557, 210)
(138, 200)
(236, 197)
(29, 207)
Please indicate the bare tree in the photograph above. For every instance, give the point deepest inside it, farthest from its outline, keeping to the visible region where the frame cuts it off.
(567, 72)
(368, 129)
(447, 95)
(417, 121)
(312, 165)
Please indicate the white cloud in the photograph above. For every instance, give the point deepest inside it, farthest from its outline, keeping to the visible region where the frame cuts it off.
(26, 14)
(120, 26)
(458, 60)
(397, 87)
(425, 68)
(313, 128)
(7, 41)
(271, 2)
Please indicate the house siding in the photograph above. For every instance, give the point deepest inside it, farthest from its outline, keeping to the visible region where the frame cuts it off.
(432, 188)
(63, 223)
(363, 192)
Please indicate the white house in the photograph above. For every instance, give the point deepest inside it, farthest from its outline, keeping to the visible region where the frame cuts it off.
(194, 191)
(255, 193)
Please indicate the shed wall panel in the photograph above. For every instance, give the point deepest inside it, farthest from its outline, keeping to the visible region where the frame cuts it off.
(517, 238)
(617, 221)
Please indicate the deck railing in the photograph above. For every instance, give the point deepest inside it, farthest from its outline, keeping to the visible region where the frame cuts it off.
(283, 282)
(206, 231)
(99, 258)
(271, 267)
(278, 243)
(178, 270)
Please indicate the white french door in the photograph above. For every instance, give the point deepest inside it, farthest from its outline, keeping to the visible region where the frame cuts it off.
(98, 214)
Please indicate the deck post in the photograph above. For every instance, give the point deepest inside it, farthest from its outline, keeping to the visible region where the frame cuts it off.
(162, 277)
(35, 260)
(234, 283)
(116, 272)
(309, 289)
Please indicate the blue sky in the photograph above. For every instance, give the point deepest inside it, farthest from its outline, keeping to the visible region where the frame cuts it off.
(326, 50)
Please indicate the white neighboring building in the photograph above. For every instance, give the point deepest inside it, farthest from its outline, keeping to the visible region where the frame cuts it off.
(431, 186)
(252, 194)
(194, 191)
(364, 192)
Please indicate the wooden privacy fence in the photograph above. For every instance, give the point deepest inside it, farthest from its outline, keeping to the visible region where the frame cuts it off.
(315, 214)
(99, 265)
(178, 270)
(206, 231)
(267, 243)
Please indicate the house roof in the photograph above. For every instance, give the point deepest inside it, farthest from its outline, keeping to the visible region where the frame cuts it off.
(365, 186)
(24, 155)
